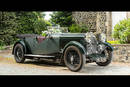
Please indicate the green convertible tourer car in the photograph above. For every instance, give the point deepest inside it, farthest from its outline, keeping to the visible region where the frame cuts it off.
(72, 49)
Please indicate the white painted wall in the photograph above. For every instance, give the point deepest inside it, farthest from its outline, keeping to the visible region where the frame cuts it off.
(116, 17)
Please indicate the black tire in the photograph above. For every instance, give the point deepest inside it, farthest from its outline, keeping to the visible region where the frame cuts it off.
(19, 53)
(74, 59)
(108, 60)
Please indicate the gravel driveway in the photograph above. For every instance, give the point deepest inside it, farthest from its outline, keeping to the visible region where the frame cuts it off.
(8, 66)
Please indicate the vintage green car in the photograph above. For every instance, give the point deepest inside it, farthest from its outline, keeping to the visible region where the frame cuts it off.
(71, 49)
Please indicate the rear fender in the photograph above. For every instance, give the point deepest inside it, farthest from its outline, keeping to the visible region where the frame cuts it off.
(77, 44)
(22, 43)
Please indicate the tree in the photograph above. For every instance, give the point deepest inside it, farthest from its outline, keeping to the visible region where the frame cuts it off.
(8, 27)
(41, 25)
(26, 21)
(31, 22)
(122, 31)
(63, 18)
(12, 23)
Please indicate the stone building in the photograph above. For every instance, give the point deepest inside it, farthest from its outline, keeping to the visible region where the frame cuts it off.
(102, 21)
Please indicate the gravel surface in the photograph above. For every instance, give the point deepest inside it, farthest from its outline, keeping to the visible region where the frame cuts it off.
(8, 66)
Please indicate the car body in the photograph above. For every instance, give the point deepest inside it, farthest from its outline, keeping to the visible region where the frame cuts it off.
(72, 49)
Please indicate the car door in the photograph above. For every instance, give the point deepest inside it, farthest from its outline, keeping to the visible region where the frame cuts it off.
(45, 46)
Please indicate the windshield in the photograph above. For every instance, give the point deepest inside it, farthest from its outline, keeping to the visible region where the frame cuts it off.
(52, 30)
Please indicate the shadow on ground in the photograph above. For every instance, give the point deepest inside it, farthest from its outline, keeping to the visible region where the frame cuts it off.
(47, 63)
(89, 68)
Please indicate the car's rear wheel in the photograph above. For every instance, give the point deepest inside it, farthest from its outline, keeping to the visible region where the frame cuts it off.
(74, 59)
(19, 53)
(108, 55)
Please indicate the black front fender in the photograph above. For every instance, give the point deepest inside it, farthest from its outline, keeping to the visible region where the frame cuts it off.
(77, 44)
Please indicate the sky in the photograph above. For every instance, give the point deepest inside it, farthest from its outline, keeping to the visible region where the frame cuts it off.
(47, 15)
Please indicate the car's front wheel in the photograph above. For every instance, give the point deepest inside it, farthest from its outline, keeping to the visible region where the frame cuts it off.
(74, 59)
(108, 55)
(19, 53)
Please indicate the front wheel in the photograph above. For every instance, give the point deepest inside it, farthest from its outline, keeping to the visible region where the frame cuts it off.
(19, 53)
(108, 55)
(74, 59)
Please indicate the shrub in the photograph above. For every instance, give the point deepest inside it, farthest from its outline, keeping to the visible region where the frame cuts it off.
(78, 29)
(2, 46)
(122, 31)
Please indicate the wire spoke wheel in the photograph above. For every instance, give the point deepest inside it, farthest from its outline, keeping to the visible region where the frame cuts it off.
(19, 53)
(74, 59)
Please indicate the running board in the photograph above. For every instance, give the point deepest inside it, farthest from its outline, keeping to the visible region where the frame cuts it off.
(37, 55)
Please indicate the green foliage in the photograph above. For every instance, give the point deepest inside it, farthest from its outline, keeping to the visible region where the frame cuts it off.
(40, 25)
(2, 47)
(122, 31)
(78, 29)
(29, 22)
(47, 23)
(63, 18)
(12, 23)
(8, 27)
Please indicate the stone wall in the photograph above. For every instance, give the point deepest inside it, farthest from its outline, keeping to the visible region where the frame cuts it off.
(87, 18)
(98, 21)
(121, 53)
(101, 22)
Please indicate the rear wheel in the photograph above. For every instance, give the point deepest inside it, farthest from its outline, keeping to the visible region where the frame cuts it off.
(74, 59)
(108, 55)
(19, 53)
